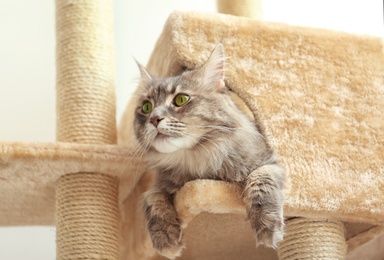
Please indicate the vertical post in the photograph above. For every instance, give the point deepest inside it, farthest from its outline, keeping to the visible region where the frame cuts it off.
(246, 8)
(313, 239)
(87, 216)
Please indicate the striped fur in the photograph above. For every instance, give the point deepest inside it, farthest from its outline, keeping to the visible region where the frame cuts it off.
(208, 137)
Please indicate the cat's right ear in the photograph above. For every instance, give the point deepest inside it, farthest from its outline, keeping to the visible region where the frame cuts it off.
(214, 68)
(145, 75)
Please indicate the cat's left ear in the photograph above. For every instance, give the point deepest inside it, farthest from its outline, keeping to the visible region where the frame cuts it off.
(214, 68)
(145, 75)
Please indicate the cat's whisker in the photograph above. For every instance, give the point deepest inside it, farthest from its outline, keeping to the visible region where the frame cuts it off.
(251, 131)
(138, 148)
(176, 123)
(128, 155)
(215, 126)
(174, 132)
(176, 128)
(138, 158)
(219, 127)
(133, 147)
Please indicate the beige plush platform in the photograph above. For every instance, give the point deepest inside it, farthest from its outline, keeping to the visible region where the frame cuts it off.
(318, 95)
(29, 171)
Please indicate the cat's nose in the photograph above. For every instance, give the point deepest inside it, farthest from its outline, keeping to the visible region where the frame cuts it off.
(156, 120)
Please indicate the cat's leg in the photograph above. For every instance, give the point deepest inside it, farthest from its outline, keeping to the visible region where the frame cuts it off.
(264, 199)
(163, 223)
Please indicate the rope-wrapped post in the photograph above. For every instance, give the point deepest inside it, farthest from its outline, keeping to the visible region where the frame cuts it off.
(246, 8)
(87, 215)
(313, 239)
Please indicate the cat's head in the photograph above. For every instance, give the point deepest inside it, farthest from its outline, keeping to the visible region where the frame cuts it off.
(184, 111)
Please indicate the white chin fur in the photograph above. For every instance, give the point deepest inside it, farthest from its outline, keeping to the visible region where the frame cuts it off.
(171, 144)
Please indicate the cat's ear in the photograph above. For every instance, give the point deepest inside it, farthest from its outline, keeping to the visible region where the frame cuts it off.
(145, 75)
(214, 68)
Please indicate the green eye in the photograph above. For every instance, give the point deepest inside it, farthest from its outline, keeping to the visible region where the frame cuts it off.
(181, 100)
(147, 107)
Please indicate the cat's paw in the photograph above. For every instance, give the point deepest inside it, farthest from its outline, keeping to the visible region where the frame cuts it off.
(268, 229)
(269, 237)
(167, 239)
(172, 251)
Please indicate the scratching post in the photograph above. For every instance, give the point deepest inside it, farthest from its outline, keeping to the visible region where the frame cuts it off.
(313, 239)
(87, 216)
(246, 8)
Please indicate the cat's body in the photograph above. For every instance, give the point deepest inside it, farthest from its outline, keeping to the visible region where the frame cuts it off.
(191, 129)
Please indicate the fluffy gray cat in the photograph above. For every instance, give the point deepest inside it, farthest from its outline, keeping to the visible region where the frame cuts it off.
(191, 129)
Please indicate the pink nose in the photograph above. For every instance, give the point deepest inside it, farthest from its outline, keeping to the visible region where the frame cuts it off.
(156, 120)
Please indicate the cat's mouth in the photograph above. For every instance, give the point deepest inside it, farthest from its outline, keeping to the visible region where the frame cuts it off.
(162, 136)
(165, 143)
(169, 142)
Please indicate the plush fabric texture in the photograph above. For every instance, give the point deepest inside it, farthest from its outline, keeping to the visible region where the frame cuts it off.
(29, 171)
(318, 96)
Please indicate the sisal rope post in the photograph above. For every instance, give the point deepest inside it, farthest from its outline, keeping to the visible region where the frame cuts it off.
(246, 8)
(313, 239)
(87, 215)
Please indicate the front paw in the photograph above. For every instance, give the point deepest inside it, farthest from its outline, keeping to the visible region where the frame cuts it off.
(268, 228)
(167, 238)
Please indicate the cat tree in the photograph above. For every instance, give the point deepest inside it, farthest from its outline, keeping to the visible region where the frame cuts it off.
(318, 93)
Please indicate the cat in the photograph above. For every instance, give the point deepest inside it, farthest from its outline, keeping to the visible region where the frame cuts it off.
(190, 128)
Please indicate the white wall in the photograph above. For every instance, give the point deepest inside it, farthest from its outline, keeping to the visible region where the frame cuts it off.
(27, 69)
